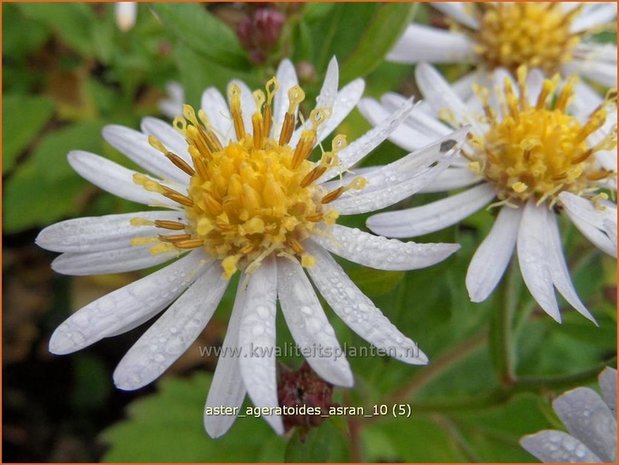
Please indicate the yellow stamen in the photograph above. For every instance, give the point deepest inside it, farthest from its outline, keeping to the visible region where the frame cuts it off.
(539, 151)
(172, 225)
(532, 34)
(236, 112)
(256, 195)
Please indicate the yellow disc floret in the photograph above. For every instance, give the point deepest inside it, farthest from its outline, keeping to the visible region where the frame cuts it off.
(255, 196)
(536, 35)
(538, 150)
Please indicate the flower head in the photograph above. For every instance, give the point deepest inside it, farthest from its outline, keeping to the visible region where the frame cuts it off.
(551, 36)
(591, 424)
(528, 154)
(240, 194)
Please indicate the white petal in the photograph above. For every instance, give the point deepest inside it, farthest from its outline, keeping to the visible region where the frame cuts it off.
(98, 233)
(585, 101)
(457, 11)
(170, 336)
(173, 105)
(119, 260)
(588, 418)
(345, 102)
(286, 78)
(608, 160)
(596, 52)
(106, 315)
(218, 113)
(557, 447)
(357, 311)
(558, 268)
(493, 255)
(382, 253)
(361, 147)
(309, 326)
(441, 96)
(125, 14)
(451, 178)
(608, 128)
(535, 81)
(422, 43)
(257, 340)
(603, 73)
(406, 135)
(432, 217)
(400, 179)
(534, 256)
(227, 388)
(463, 88)
(328, 92)
(114, 178)
(422, 119)
(594, 15)
(591, 221)
(608, 385)
(248, 104)
(135, 146)
(170, 137)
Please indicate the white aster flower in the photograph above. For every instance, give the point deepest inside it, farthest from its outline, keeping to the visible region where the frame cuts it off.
(591, 422)
(550, 36)
(238, 192)
(525, 154)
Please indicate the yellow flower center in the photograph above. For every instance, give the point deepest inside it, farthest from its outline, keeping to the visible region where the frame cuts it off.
(255, 196)
(533, 34)
(538, 150)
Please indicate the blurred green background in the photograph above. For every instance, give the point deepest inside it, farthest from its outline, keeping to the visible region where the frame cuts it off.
(68, 70)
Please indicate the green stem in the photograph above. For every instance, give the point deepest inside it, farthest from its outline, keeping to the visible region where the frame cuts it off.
(451, 428)
(440, 365)
(529, 383)
(502, 328)
(503, 394)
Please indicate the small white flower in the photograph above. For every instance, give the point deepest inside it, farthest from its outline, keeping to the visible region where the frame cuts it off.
(591, 422)
(126, 13)
(238, 192)
(550, 36)
(526, 151)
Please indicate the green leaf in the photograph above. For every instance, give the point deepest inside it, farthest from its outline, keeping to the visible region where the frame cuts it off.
(375, 282)
(16, 44)
(358, 34)
(194, 26)
(494, 433)
(198, 73)
(72, 22)
(44, 188)
(23, 117)
(322, 444)
(380, 35)
(417, 439)
(30, 200)
(168, 427)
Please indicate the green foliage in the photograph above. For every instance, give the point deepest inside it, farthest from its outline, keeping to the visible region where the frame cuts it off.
(198, 29)
(22, 119)
(358, 34)
(44, 188)
(168, 427)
